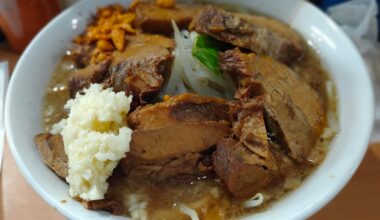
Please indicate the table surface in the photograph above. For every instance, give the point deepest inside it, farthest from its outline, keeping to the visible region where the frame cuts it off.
(360, 199)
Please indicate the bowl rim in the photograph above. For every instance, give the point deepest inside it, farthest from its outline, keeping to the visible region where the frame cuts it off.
(305, 214)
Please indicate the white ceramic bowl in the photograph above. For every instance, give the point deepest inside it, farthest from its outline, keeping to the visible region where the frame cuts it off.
(340, 57)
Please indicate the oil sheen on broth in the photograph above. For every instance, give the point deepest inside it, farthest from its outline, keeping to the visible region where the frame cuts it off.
(205, 194)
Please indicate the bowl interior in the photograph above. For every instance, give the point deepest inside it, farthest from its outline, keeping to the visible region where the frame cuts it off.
(339, 56)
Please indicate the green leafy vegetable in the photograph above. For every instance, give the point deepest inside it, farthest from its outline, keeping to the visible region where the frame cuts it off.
(206, 49)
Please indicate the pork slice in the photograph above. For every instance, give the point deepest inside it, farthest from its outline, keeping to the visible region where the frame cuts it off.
(186, 123)
(285, 164)
(109, 205)
(176, 139)
(259, 34)
(153, 19)
(140, 69)
(251, 131)
(246, 164)
(81, 54)
(82, 78)
(52, 152)
(277, 27)
(194, 164)
(184, 107)
(294, 109)
(238, 168)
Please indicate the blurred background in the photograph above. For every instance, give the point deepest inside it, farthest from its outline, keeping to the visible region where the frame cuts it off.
(20, 21)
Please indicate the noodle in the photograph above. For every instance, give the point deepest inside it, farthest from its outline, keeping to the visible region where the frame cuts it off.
(188, 211)
(255, 201)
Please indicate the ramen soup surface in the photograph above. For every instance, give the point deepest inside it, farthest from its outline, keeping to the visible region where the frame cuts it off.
(147, 48)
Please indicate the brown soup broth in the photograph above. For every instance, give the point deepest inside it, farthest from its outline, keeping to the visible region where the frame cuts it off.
(206, 195)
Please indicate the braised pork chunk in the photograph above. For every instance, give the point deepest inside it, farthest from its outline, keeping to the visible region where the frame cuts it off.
(93, 73)
(52, 151)
(185, 107)
(245, 162)
(294, 108)
(262, 36)
(177, 139)
(153, 19)
(140, 69)
(108, 205)
(189, 164)
(183, 124)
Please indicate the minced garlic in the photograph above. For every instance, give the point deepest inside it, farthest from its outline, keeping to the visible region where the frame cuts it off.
(95, 139)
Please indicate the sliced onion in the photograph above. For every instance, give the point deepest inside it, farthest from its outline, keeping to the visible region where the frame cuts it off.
(195, 83)
(181, 88)
(174, 78)
(189, 73)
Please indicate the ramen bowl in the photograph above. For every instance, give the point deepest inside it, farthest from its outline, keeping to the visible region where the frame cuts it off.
(339, 56)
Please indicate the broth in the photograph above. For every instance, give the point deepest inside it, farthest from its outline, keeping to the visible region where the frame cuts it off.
(206, 194)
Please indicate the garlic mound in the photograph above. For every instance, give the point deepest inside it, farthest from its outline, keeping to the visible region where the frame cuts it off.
(95, 139)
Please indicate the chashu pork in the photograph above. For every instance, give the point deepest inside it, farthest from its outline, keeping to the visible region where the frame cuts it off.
(140, 69)
(184, 107)
(245, 162)
(52, 152)
(177, 139)
(151, 18)
(186, 123)
(259, 34)
(83, 78)
(294, 109)
(188, 164)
